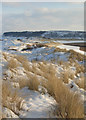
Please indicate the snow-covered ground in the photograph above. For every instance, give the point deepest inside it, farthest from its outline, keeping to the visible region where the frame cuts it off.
(64, 35)
(70, 41)
(17, 45)
(36, 104)
(75, 48)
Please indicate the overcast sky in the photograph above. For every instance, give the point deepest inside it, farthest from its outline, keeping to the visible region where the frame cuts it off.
(21, 16)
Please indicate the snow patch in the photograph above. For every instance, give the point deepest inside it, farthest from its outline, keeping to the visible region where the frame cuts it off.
(68, 47)
(9, 114)
(38, 105)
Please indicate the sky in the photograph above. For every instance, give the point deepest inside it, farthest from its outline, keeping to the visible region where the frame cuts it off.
(35, 16)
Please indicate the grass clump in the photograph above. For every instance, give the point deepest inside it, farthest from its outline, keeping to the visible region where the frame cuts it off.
(10, 97)
(79, 68)
(27, 66)
(66, 75)
(60, 50)
(76, 56)
(69, 104)
(22, 82)
(12, 64)
(81, 82)
(6, 91)
(21, 58)
(5, 56)
(33, 82)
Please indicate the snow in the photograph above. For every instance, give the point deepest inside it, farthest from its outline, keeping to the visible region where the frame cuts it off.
(72, 85)
(36, 105)
(68, 47)
(63, 35)
(9, 114)
(70, 41)
(14, 46)
(81, 52)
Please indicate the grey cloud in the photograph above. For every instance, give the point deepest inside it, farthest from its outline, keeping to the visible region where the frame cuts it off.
(44, 19)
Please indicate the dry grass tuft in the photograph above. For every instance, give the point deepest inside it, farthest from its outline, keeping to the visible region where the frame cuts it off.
(26, 66)
(81, 82)
(69, 104)
(23, 82)
(79, 68)
(33, 82)
(5, 56)
(21, 58)
(37, 71)
(6, 91)
(76, 56)
(66, 75)
(10, 97)
(49, 85)
(60, 50)
(34, 68)
(12, 63)
(24, 61)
